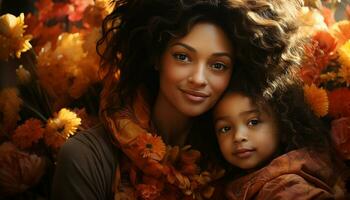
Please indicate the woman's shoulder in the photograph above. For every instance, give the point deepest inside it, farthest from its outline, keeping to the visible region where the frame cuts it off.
(90, 145)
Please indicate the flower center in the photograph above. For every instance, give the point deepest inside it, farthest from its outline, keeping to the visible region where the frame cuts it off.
(149, 146)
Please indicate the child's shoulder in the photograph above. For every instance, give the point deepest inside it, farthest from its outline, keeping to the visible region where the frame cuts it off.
(300, 172)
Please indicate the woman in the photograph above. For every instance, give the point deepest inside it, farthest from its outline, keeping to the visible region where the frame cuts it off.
(165, 64)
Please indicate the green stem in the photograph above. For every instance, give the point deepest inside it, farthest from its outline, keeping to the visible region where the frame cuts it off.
(34, 111)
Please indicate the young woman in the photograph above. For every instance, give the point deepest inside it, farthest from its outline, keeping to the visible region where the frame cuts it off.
(165, 64)
(275, 147)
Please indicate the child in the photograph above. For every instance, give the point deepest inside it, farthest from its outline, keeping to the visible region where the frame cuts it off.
(278, 146)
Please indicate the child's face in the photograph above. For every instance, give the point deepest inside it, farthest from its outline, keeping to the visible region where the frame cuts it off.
(247, 136)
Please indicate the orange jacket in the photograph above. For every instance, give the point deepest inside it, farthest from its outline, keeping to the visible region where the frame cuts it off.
(299, 174)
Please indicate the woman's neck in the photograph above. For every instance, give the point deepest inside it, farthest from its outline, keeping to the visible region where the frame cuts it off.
(171, 124)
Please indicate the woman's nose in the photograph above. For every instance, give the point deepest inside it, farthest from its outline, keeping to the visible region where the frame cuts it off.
(198, 76)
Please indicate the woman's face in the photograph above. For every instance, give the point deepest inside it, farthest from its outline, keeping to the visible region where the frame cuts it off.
(195, 70)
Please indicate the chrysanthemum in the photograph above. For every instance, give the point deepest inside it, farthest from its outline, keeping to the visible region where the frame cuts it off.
(339, 102)
(12, 40)
(341, 31)
(344, 73)
(59, 128)
(10, 105)
(151, 146)
(28, 133)
(317, 99)
(344, 54)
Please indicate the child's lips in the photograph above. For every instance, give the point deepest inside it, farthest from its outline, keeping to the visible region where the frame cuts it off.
(243, 153)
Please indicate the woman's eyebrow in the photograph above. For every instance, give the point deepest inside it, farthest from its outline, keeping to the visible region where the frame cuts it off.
(194, 50)
(183, 45)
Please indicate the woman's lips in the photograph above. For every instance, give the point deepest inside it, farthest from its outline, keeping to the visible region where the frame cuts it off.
(195, 96)
(243, 153)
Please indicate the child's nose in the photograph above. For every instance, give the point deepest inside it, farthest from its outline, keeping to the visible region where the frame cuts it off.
(240, 136)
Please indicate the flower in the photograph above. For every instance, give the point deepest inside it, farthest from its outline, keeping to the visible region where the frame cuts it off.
(151, 146)
(10, 105)
(341, 31)
(148, 192)
(344, 59)
(12, 40)
(23, 75)
(58, 129)
(317, 99)
(341, 136)
(28, 133)
(339, 102)
(19, 170)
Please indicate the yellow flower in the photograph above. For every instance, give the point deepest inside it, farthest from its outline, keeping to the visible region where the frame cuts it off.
(10, 105)
(12, 40)
(317, 99)
(344, 59)
(59, 128)
(344, 73)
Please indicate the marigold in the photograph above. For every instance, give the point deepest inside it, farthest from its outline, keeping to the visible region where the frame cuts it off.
(12, 40)
(341, 136)
(339, 102)
(151, 146)
(28, 133)
(344, 73)
(317, 99)
(10, 105)
(59, 128)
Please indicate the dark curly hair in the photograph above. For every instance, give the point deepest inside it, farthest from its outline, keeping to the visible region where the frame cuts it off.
(264, 35)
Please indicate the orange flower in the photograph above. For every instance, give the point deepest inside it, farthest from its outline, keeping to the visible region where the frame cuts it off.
(339, 102)
(341, 31)
(19, 170)
(148, 192)
(317, 99)
(341, 136)
(328, 15)
(344, 73)
(28, 133)
(10, 105)
(151, 146)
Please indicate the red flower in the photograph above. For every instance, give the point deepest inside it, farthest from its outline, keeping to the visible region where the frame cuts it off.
(339, 103)
(341, 136)
(318, 53)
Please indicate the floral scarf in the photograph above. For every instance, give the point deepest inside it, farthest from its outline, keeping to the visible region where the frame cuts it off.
(148, 168)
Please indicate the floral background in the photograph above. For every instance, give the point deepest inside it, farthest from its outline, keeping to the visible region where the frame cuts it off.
(50, 83)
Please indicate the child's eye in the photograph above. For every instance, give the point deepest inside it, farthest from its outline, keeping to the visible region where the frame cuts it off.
(181, 57)
(224, 129)
(219, 66)
(253, 122)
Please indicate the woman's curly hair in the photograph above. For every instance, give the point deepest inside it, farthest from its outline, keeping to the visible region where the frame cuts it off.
(264, 35)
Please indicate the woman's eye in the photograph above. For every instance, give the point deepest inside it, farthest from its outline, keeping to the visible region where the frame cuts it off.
(181, 57)
(253, 122)
(224, 129)
(219, 66)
